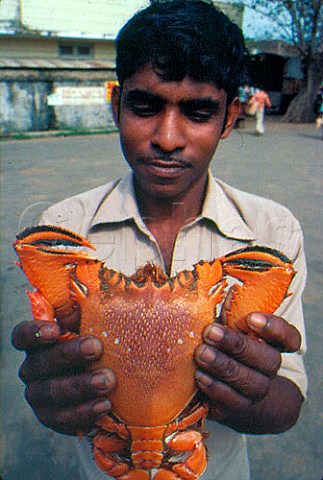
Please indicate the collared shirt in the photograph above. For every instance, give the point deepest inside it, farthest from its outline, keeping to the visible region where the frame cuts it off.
(230, 219)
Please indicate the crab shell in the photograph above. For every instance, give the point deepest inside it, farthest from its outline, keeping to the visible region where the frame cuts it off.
(149, 324)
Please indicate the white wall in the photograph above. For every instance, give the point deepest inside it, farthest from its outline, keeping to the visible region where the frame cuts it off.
(87, 16)
(9, 10)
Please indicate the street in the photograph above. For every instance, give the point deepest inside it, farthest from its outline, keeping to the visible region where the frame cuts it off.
(285, 165)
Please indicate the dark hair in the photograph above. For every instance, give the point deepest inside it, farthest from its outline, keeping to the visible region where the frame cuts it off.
(184, 37)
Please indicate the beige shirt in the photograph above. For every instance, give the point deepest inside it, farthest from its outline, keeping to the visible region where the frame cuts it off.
(231, 219)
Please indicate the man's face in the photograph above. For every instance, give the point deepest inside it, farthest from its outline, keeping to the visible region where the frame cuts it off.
(170, 130)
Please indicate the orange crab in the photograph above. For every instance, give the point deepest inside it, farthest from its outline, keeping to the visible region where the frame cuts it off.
(150, 325)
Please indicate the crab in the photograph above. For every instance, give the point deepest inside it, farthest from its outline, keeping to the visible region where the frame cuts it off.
(150, 325)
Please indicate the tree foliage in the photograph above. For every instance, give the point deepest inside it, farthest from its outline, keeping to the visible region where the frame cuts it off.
(300, 23)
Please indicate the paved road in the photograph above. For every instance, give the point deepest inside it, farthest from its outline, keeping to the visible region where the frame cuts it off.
(285, 165)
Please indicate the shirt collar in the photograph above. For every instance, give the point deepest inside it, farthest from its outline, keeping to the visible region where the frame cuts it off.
(220, 209)
(121, 205)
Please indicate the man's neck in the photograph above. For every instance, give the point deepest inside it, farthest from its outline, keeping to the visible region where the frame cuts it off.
(179, 210)
(165, 217)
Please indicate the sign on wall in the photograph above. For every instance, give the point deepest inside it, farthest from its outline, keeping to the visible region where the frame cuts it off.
(77, 96)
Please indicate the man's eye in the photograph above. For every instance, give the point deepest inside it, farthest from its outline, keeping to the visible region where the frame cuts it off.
(200, 110)
(143, 109)
(142, 104)
(199, 116)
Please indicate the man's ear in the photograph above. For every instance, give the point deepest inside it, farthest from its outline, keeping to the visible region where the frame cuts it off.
(232, 115)
(115, 103)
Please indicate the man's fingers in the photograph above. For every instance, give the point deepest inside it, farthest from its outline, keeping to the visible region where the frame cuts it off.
(276, 331)
(249, 351)
(74, 420)
(225, 400)
(30, 335)
(221, 367)
(242, 363)
(71, 390)
(60, 359)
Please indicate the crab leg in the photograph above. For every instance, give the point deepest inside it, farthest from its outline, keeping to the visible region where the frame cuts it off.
(199, 414)
(41, 309)
(103, 449)
(190, 441)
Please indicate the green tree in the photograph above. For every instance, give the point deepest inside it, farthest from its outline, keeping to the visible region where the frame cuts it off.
(301, 23)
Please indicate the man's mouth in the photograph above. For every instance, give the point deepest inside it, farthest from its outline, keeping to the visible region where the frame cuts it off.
(166, 164)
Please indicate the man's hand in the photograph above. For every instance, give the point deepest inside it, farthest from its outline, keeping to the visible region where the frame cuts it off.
(62, 394)
(239, 374)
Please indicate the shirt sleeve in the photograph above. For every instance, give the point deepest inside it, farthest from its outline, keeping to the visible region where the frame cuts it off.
(292, 366)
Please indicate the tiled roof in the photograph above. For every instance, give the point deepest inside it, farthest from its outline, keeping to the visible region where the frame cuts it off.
(275, 47)
(56, 64)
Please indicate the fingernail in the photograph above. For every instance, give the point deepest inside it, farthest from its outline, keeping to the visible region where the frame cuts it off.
(101, 381)
(89, 348)
(46, 332)
(207, 354)
(257, 321)
(203, 378)
(102, 407)
(215, 334)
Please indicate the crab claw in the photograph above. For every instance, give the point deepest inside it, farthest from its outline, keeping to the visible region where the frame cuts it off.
(47, 236)
(265, 274)
(47, 256)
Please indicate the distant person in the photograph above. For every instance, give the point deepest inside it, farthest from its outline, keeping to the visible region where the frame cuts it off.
(319, 110)
(243, 97)
(245, 92)
(261, 100)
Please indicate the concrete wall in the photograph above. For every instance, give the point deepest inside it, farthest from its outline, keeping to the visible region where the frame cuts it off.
(24, 108)
(82, 117)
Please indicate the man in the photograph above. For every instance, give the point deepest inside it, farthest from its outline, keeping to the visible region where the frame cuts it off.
(260, 100)
(179, 66)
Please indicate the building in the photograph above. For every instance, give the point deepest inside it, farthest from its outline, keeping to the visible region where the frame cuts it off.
(275, 67)
(57, 59)
(57, 62)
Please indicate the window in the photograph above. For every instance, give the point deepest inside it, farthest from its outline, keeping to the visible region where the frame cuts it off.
(66, 50)
(84, 51)
(75, 50)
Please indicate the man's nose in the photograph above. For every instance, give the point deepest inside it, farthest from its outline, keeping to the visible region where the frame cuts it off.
(169, 133)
